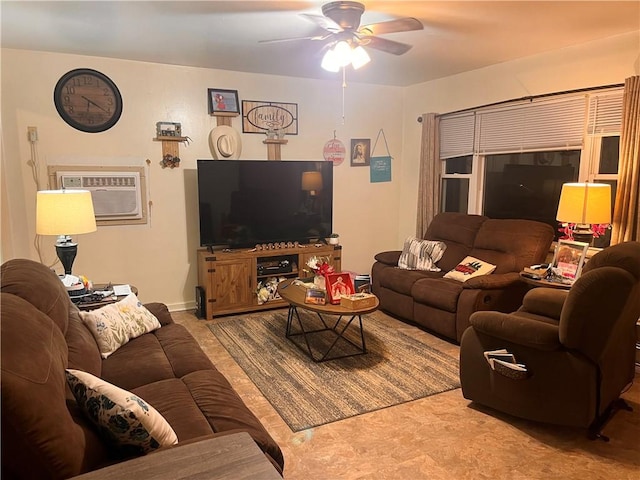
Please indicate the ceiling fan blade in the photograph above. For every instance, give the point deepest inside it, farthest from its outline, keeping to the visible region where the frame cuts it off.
(388, 46)
(323, 22)
(392, 26)
(295, 39)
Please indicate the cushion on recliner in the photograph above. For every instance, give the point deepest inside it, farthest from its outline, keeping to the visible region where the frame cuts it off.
(458, 231)
(437, 292)
(401, 280)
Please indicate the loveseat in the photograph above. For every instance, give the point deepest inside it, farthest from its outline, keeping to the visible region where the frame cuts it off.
(444, 305)
(44, 432)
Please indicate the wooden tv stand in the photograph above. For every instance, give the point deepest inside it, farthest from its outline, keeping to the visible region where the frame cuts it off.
(229, 278)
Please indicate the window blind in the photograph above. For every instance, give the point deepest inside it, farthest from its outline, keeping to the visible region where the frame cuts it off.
(457, 135)
(605, 113)
(542, 125)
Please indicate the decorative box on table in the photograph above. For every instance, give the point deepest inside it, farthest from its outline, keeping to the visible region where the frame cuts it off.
(358, 300)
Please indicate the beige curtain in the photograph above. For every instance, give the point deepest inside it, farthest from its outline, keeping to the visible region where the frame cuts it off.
(626, 213)
(429, 179)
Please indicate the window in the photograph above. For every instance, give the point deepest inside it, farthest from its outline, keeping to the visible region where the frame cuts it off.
(510, 160)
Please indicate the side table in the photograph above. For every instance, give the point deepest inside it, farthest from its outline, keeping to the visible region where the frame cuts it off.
(225, 457)
(544, 283)
(92, 305)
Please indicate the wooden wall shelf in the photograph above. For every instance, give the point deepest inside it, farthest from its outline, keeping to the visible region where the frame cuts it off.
(273, 148)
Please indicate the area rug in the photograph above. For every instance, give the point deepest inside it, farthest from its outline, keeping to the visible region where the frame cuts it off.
(396, 369)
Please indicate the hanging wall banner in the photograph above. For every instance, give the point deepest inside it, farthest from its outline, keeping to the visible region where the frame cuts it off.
(380, 169)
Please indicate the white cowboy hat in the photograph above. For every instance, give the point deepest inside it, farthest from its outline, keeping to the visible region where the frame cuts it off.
(225, 143)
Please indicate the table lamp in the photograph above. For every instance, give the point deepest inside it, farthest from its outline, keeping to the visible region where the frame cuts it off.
(312, 182)
(65, 213)
(584, 204)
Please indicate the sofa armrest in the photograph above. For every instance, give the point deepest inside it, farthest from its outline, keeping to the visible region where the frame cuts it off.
(547, 302)
(389, 258)
(492, 281)
(516, 329)
(161, 312)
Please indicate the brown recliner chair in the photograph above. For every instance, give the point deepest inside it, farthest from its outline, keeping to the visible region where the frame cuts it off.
(578, 347)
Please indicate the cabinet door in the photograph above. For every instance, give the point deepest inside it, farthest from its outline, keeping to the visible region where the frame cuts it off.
(232, 285)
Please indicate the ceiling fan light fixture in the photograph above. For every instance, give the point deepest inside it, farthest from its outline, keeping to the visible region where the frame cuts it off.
(343, 53)
(359, 57)
(330, 62)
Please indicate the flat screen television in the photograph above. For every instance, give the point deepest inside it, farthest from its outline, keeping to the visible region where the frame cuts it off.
(243, 203)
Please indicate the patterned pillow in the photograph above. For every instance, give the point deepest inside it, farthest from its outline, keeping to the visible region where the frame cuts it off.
(468, 268)
(115, 324)
(124, 419)
(421, 254)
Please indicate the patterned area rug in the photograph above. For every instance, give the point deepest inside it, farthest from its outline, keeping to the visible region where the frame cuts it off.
(396, 369)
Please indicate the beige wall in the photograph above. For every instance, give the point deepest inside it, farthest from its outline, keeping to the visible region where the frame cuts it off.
(160, 257)
(593, 64)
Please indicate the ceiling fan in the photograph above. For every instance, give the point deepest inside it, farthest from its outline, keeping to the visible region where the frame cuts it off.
(341, 20)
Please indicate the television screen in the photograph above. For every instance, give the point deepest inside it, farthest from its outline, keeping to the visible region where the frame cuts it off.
(243, 203)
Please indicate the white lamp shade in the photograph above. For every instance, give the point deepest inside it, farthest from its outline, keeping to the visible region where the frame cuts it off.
(342, 51)
(64, 212)
(585, 203)
(330, 62)
(359, 57)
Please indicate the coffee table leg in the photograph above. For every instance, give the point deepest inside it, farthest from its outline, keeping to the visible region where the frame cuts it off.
(362, 348)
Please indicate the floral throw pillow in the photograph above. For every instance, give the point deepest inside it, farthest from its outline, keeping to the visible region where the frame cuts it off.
(420, 254)
(123, 419)
(115, 324)
(468, 268)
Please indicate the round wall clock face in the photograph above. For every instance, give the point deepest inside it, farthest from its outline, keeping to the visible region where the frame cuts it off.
(88, 100)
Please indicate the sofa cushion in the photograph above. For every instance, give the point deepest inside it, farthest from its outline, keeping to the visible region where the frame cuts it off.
(458, 231)
(468, 268)
(437, 292)
(401, 281)
(40, 438)
(83, 349)
(169, 352)
(126, 420)
(526, 241)
(421, 254)
(39, 286)
(115, 324)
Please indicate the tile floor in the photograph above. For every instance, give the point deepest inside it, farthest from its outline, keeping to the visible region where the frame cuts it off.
(443, 437)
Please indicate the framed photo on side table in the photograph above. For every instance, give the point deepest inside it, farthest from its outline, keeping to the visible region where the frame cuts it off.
(569, 258)
(337, 285)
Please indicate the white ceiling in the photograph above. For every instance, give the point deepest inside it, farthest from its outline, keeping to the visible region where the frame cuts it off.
(458, 36)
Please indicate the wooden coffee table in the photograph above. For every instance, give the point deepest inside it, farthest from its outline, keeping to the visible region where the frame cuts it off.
(295, 296)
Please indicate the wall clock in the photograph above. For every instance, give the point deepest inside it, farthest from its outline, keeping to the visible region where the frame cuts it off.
(88, 100)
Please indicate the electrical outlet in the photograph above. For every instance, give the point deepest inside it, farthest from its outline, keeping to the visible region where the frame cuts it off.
(32, 134)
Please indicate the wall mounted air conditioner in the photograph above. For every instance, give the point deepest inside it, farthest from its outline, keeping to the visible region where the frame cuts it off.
(118, 196)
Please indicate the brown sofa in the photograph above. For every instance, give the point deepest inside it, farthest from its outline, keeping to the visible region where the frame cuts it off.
(444, 305)
(45, 435)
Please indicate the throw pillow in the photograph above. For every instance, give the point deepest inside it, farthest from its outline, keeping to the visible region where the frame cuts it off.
(115, 324)
(468, 268)
(420, 254)
(122, 418)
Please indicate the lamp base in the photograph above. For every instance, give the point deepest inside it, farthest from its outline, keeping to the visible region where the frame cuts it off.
(67, 254)
(583, 233)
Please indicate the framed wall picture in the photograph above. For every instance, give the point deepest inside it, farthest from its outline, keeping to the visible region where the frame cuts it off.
(569, 258)
(223, 101)
(360, 152)
(337, 285)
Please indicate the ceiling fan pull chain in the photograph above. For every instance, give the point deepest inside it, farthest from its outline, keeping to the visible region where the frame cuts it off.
(344, 88)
